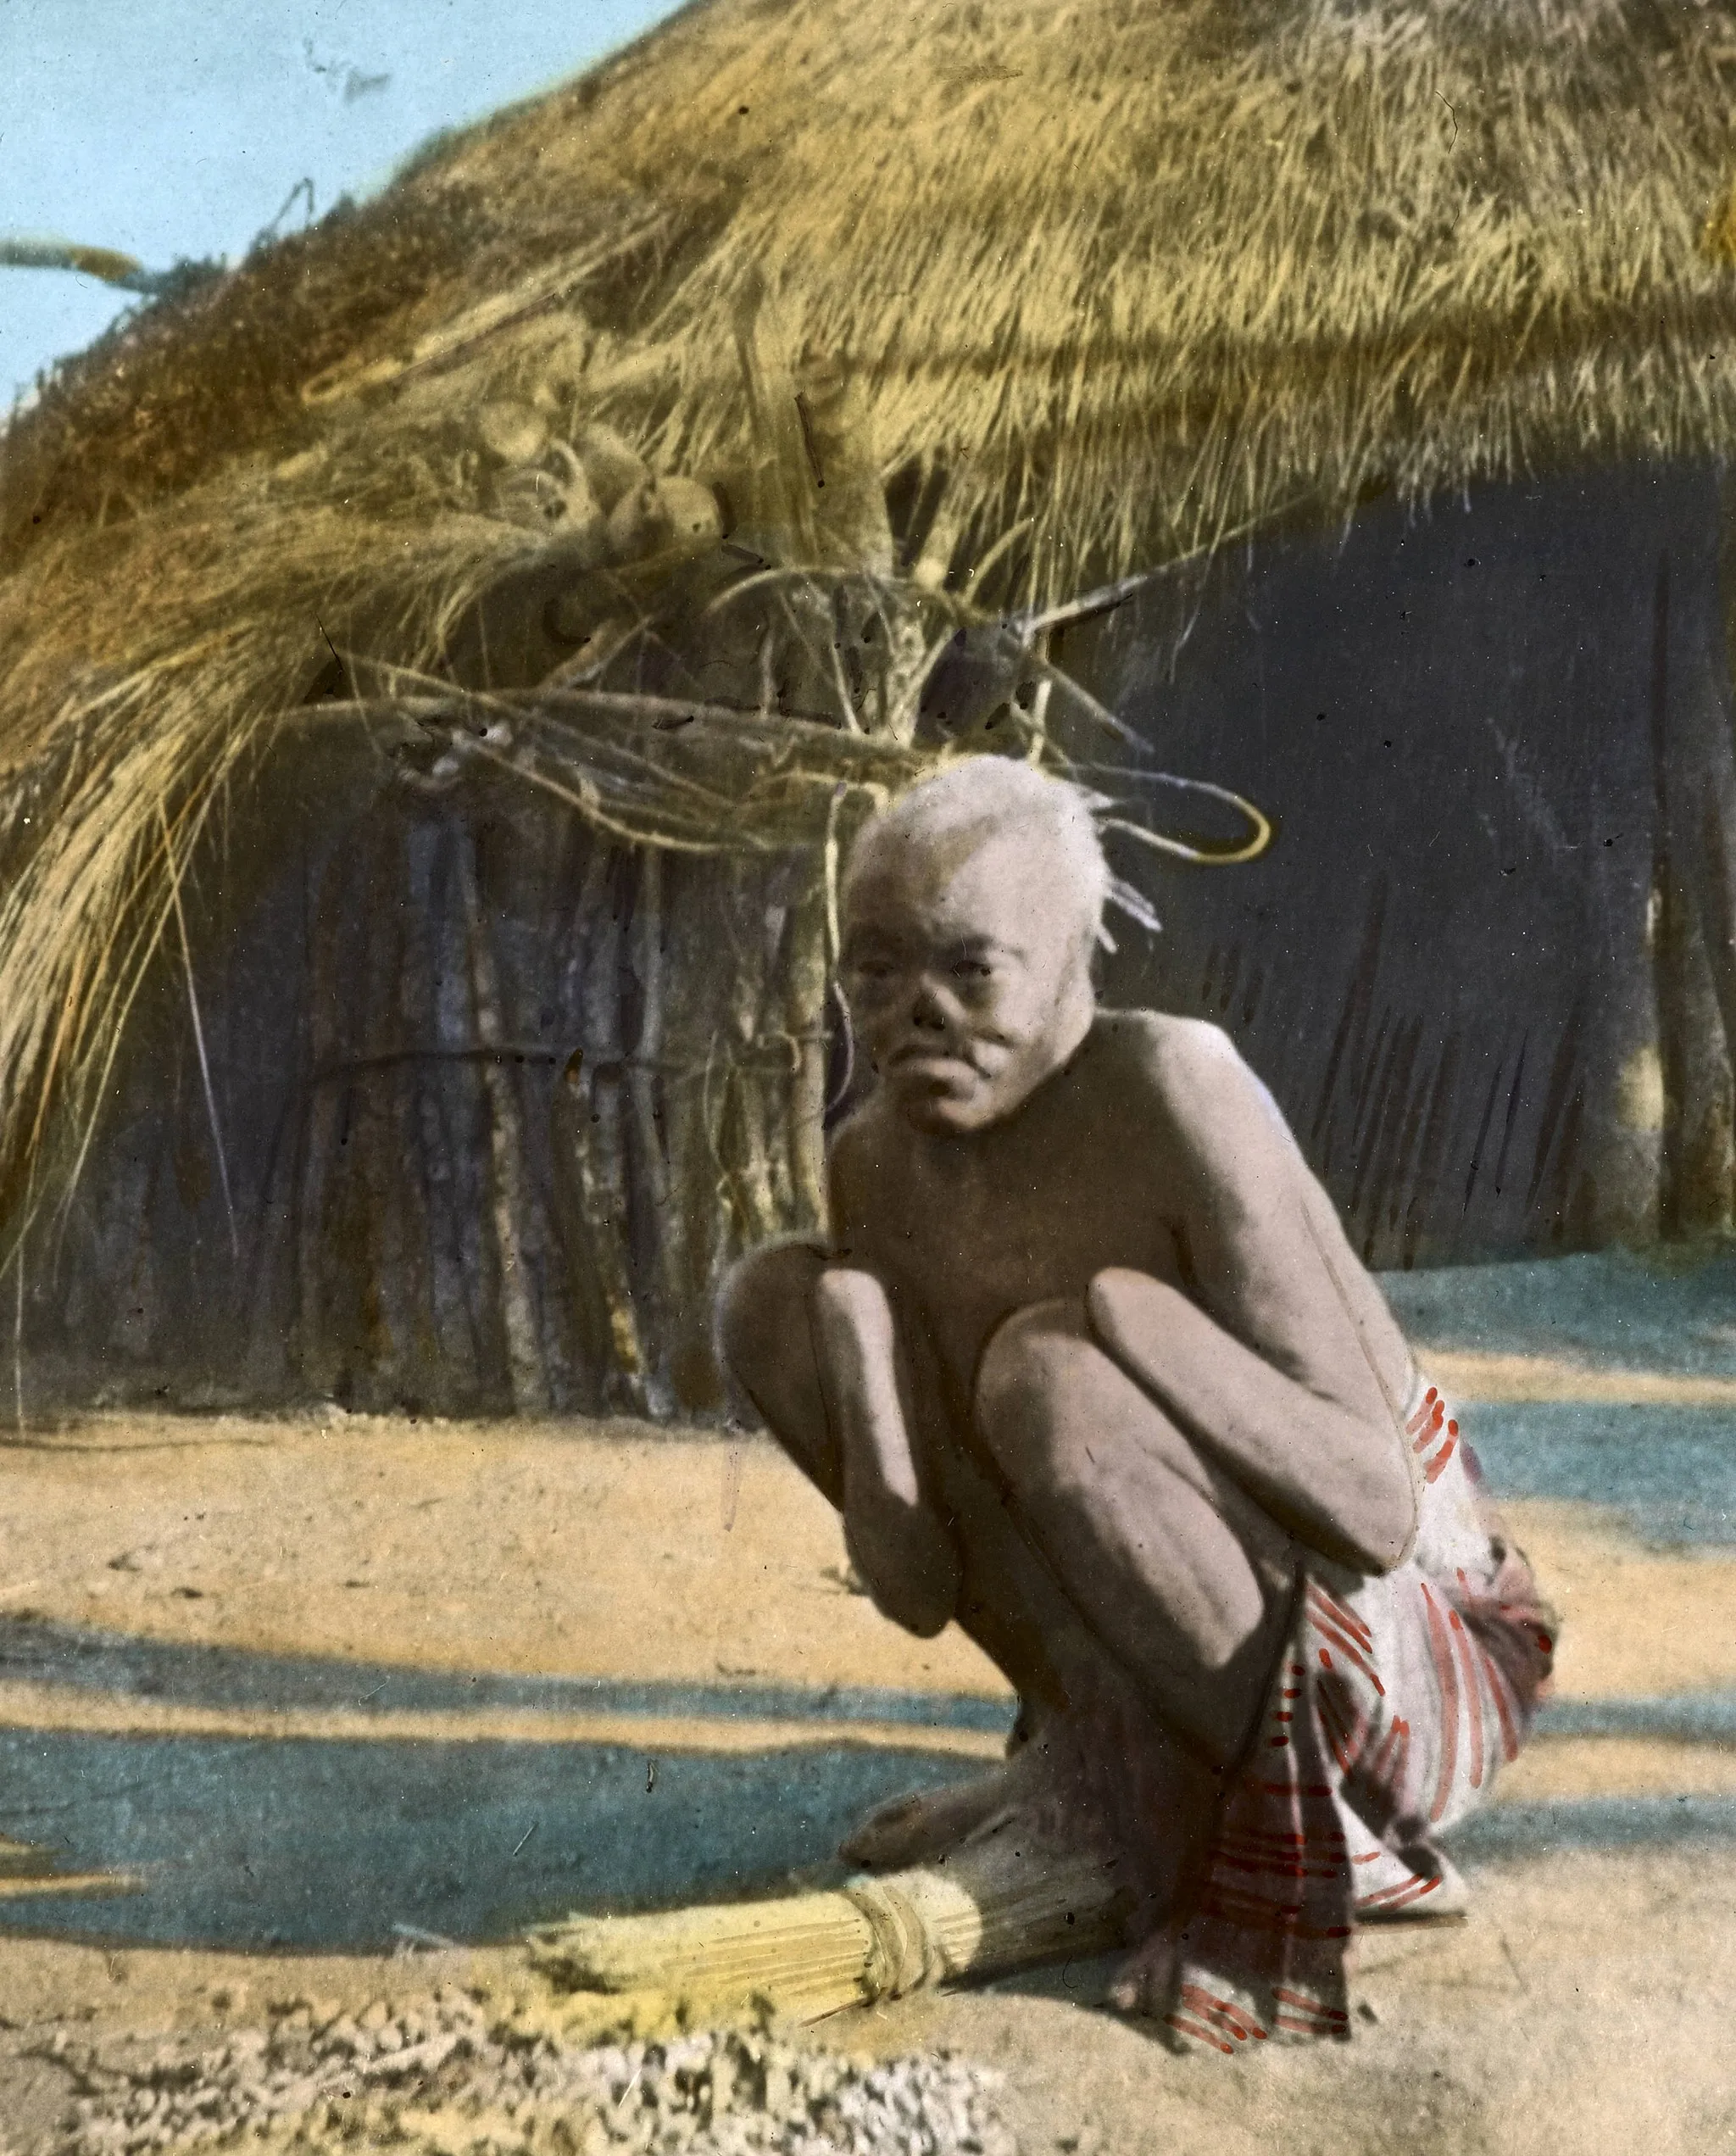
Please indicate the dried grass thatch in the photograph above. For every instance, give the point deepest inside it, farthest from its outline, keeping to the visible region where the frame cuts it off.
(1083, 287)
(1153, 272)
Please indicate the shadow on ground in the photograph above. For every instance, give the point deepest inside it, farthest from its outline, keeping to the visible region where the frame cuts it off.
(358, 1845)
(252, 1842)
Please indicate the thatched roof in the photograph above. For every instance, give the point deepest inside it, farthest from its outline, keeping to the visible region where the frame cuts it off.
(1112, 279)
(1153, 270)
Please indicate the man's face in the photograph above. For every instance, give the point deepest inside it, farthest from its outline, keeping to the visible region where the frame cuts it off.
(967, 976)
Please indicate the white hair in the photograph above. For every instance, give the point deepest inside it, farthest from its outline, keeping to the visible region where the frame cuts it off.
(985, 796)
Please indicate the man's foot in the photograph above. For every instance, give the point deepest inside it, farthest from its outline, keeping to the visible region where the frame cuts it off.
(1145, 1982)
(1108, 1783)
(1053, 1788)
(916, 1830)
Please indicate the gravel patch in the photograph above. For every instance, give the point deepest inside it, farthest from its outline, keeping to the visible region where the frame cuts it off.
(439, 2079)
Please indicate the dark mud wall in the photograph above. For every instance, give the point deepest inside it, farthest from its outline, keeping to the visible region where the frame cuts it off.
(1482, 964)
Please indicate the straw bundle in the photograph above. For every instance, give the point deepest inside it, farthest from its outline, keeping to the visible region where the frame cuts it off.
(991, 1909)
(27, 1869)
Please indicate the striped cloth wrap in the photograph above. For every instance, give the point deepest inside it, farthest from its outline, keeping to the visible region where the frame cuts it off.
(1397, 1700)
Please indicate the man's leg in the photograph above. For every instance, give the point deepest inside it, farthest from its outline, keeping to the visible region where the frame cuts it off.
(1185, 1580)
(766, 1337)
(1010, 1603)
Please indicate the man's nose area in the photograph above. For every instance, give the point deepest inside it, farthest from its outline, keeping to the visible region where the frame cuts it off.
(928, 1007)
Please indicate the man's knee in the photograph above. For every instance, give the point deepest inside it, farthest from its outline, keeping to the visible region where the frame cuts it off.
(1035, 1364)
(1048, 1395)
(764, 1295)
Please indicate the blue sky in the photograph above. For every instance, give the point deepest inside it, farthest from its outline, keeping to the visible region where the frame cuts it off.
(178, 127)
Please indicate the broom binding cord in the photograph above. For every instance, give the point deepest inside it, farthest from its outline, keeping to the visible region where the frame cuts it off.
(903, 1958)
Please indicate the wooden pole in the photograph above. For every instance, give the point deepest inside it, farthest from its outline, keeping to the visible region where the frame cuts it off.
(1689, 752)
(510, 1184)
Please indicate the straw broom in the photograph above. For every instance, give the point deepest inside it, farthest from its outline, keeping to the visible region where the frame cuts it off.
(987, 1910)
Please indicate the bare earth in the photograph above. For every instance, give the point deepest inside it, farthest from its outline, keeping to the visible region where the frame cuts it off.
(1584, 2006)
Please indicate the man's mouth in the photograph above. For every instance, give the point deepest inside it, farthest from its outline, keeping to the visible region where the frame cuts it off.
(927, 1055)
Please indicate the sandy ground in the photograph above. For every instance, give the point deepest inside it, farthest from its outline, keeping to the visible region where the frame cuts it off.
(1584, 2006)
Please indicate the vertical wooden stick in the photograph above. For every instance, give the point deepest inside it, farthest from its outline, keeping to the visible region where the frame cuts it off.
(512, 1196)
(805, 1007)
(659, 1155)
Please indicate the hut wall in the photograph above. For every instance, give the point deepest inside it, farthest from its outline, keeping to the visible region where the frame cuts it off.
(470, 1145)
(1482, 965)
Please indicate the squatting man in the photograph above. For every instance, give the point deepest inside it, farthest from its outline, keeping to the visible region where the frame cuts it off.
(1087, 1364)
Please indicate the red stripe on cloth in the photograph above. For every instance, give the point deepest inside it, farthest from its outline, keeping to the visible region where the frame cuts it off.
(1238, 1857)
(1222, 2014)
(1247, 1914)
(1399, 1896)
(1301, 2021)
(1339, 1719)
(1333, 1618)
(1323, 1598)
(1390, 1768)
(1437, 1467)
(1184, 2027)
(1380, 1767)
(1237, 1905)
(1339, 1743)
(1498, 1689)
(1302, 1999)
(1473, 1657)
(1352, 1653)
(1335, 1695)
(1258, 1867)
(1340, 1636)
(1447, 1669)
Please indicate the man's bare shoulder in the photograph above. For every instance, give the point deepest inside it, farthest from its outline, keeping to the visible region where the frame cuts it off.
(864, 1158)
(1190, 1078)
(1184, 1061)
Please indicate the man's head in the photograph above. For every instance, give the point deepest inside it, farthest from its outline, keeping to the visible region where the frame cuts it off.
(971, 908)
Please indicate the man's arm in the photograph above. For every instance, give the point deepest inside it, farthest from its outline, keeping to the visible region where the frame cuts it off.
(905, 1554)
(1282, 1360)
